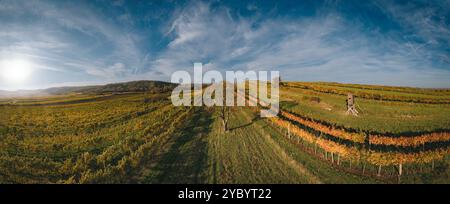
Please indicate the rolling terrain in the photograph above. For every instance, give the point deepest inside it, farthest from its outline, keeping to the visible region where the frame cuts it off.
(131, 133)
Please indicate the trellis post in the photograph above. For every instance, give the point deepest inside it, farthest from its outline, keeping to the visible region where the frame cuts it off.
(338, 159)
(289, 130)
(432, 165)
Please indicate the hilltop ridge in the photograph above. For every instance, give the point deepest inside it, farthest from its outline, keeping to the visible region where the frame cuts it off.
(132, 86)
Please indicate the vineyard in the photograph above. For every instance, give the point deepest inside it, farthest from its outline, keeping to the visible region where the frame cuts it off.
(131, 133)
(407, 141)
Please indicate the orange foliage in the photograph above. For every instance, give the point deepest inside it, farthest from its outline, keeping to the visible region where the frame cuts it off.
(373, 157)
(405, 141)
(409, 141)
(325, 129)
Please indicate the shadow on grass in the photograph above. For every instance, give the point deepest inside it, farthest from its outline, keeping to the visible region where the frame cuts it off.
(186, 160)
(255, 119)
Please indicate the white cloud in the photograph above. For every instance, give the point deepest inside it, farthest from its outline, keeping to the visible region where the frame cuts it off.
(427, 21)
(58, 49)
(325, 47)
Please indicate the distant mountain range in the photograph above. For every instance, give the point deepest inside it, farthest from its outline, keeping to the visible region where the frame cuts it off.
(133, 86)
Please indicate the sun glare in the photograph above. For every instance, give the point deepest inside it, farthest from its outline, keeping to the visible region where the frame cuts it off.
(15, 71)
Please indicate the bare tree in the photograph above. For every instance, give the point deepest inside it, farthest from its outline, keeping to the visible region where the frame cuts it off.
(225, 115)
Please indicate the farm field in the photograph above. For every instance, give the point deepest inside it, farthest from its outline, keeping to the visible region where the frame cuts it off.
(375, 115)
(140, 137)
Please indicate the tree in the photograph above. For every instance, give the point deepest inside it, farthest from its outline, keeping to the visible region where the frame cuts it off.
(225, 116)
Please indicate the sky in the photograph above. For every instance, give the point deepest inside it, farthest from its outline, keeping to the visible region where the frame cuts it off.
(71, 43)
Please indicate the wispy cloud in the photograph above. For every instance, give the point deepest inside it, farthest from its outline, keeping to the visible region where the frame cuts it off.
(427, 27)
(324, 47)
(82, 43)
(63, 35)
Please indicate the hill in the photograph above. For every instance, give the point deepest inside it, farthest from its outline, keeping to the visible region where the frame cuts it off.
(127, 134)
(133, 86)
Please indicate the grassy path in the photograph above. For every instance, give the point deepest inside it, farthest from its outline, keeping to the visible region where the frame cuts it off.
(294, 164)
(182, 158)
(310, 169)
(320, 169)
(250, 152)
(246, 155)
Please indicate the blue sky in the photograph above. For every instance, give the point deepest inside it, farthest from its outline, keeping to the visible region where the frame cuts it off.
(66, 43)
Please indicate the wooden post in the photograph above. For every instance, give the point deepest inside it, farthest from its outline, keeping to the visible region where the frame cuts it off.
(432, 165)
(364, 168)
(400, 172)
(379, 170)
(332, 157)
(289, 130)
(338, 159)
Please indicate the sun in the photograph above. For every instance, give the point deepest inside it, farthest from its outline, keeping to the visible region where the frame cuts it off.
(16, 70)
